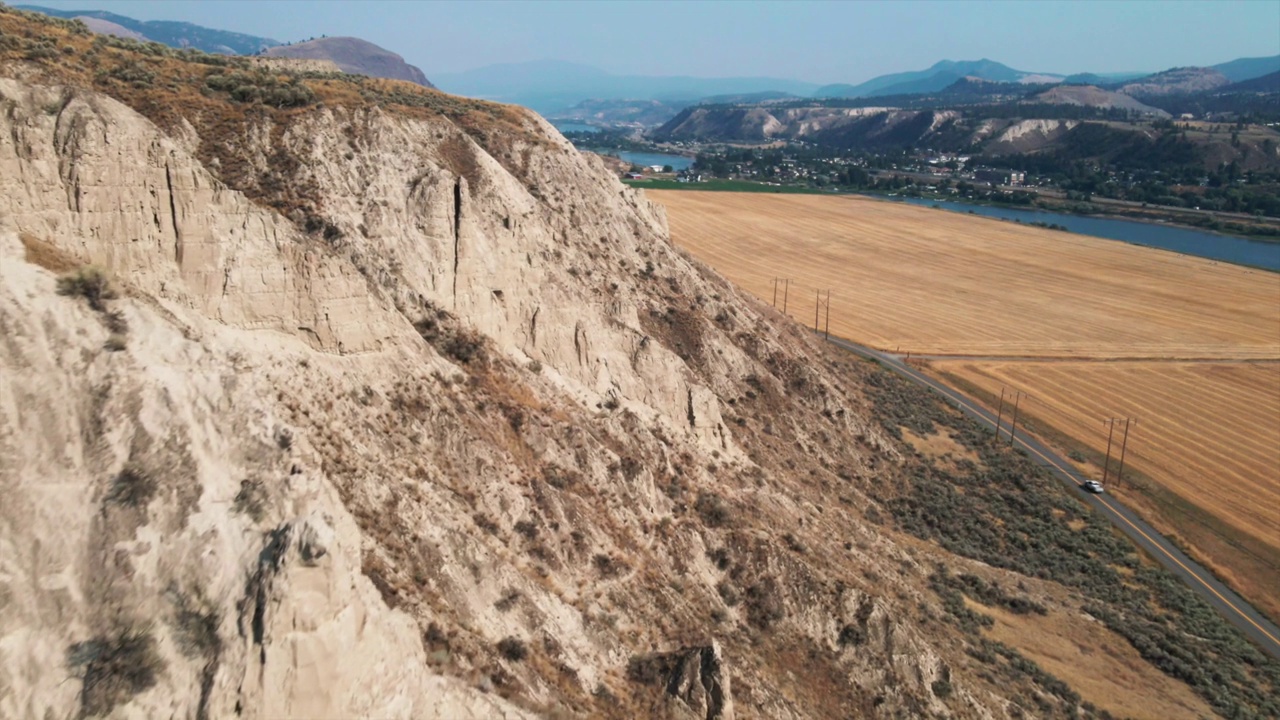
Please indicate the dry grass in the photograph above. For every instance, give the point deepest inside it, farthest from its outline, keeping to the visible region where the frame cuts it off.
(45, 254)
(931, 281)
(942, 448)
(1099, 664)
(1208, 433)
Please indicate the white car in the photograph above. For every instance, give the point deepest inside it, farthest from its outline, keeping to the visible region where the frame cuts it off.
(1093, 486)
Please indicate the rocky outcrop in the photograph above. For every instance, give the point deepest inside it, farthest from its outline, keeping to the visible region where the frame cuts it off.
(696, 677)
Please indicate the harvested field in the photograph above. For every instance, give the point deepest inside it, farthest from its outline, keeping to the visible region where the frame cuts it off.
(1091, 328)
(937, 282)
(1208, 433)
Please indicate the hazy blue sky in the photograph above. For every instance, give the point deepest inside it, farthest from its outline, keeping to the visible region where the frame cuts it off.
(816, 41)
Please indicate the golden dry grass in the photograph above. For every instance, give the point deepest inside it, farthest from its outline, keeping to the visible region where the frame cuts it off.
(931, 281)
(1099, 664)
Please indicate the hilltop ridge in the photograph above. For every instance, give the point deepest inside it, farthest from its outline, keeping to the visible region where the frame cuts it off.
(353, 55)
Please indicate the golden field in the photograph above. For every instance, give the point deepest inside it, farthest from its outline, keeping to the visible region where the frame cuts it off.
(1090, 328)
(938, 282)
(1209, 433)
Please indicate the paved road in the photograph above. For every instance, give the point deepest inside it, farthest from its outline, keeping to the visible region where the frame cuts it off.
(1239, 613)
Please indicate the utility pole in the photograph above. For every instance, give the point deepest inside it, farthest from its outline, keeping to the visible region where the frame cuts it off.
(1123, 444)
(827, 331)
(818, 303)
(775, 293)
(1014, 427)
(1000, 413)
(786, 286)
(1107, 466)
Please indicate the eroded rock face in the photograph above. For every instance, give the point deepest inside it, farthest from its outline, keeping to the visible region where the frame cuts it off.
(462, 453)
(696, 677)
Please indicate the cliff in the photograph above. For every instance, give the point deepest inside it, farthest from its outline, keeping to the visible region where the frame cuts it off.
(344, 397)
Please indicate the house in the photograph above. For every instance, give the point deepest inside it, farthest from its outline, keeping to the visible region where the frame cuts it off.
(634, 176)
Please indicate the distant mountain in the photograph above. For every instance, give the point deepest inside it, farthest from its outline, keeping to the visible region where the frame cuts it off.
(1090, 96)
(1177, 81)
(935, 78)
(1265, 84)
(1258, 97)
(173, 34)
(755, 97)
(1249, 68)
(643, 113)
(552, 86)
(353, 55)
(1101, 78)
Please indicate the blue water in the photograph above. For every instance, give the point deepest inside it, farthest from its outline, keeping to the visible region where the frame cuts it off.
(574, 127)
(1226, 248)
(678, 162)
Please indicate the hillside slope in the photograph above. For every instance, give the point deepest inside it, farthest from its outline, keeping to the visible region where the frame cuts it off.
(353, 55)
(402, 407)
(168, 32)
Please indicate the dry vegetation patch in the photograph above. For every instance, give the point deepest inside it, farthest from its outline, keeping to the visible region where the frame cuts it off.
(1100, 664)
(941, 447)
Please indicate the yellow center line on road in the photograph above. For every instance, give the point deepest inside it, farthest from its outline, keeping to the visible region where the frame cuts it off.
(1158, 546)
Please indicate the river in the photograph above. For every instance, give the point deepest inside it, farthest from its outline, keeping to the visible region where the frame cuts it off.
(677, 162)
(1226, 248)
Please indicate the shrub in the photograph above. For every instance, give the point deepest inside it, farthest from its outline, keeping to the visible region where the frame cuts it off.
(513, 649)
(251, 500)
(90, 283)
(713, 509)
(114, 668)
(132, 488)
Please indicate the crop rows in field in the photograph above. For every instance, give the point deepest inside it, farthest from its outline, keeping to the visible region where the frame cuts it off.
(928, 281)
(1210, 432)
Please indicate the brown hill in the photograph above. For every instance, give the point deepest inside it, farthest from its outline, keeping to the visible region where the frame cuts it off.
(353, 55)
(1091, 96)
(1176, 81)
(106, 27)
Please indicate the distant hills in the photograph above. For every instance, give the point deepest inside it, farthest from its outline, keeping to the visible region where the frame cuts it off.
(353, 55)
(1177, 81)
(1249, 68)
(937, 77)
(571, 90)
(552, 86)
(167, 32)
(350, 54)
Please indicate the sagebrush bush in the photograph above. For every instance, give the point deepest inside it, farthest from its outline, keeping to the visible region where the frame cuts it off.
(114, 668)
(90, 283)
